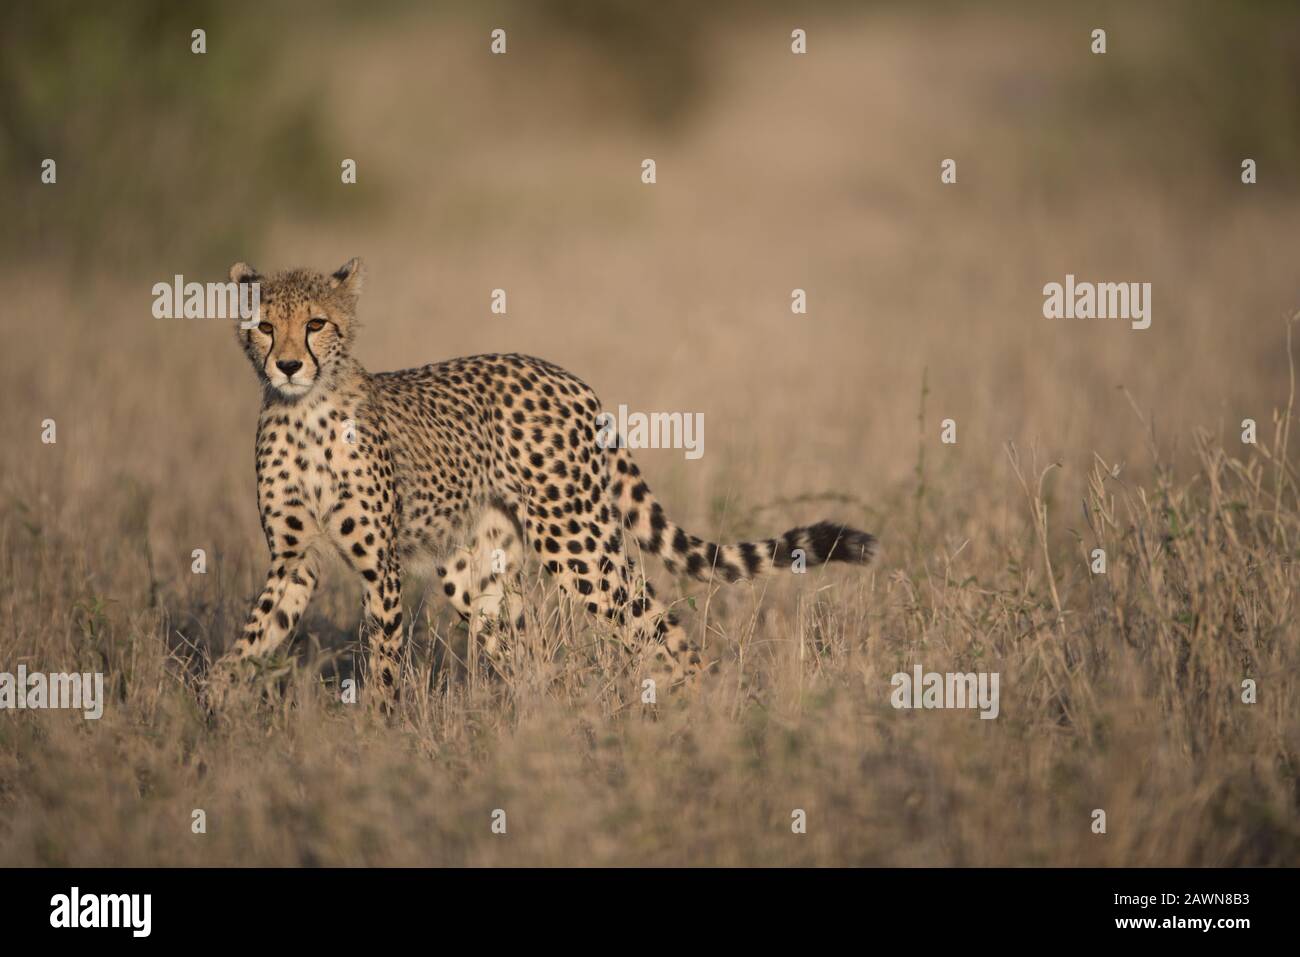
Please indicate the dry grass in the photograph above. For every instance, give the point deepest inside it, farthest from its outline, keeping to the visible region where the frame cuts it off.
(1119, 692)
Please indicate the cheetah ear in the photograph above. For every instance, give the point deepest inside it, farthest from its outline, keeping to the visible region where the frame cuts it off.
(243, 272)
(349, 276)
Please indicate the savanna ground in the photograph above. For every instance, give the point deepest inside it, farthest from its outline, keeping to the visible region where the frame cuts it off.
(1120, 691)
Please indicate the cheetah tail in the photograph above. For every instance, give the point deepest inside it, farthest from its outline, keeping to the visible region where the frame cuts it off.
(644, 518)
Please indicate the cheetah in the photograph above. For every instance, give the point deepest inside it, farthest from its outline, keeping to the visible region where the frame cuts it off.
(465, 465)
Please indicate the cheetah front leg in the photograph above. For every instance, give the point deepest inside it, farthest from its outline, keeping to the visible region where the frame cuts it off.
(368, 549)
(289, 585)
(382, 608)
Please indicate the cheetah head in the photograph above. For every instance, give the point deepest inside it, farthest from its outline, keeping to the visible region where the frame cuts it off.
(306, 325)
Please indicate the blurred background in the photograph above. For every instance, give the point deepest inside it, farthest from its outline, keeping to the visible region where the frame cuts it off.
(523, 172)
(775, 171)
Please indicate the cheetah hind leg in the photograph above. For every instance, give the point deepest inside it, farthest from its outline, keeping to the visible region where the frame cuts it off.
(497, 613)
(483, 581)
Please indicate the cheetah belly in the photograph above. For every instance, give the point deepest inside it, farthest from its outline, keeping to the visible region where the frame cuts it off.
(428, 540)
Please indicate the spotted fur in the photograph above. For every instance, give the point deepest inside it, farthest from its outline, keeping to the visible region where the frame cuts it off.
(472, 462)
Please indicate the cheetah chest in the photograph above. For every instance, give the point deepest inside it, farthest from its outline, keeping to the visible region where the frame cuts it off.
(313, 456)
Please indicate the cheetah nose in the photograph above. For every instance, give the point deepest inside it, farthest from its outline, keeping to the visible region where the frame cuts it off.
(288, 366)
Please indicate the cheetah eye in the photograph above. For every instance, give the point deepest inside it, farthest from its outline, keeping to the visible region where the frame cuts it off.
(315, 325)
(265, 328)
